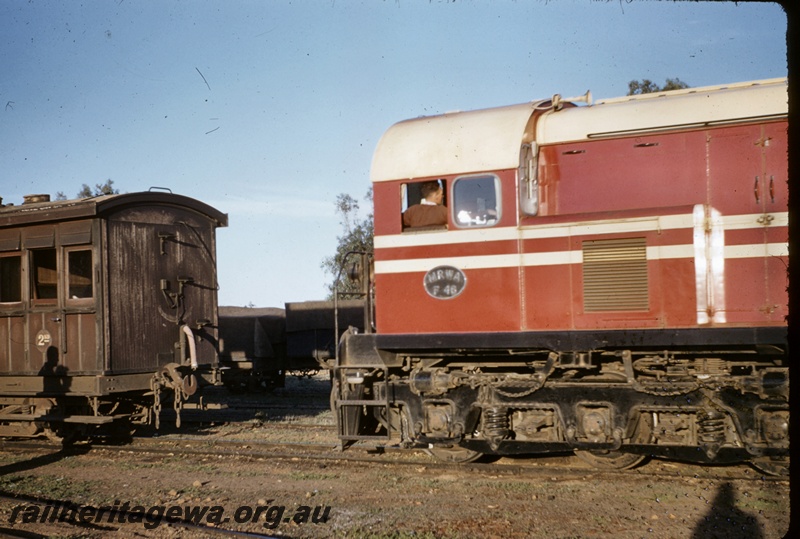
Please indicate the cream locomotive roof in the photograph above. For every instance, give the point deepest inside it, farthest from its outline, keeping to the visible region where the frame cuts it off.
(490, 139)
(451, 143)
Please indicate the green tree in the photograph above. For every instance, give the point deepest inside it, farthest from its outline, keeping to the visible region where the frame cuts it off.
(646, 86)
(99, 190)
(356, 235)
(86, 191)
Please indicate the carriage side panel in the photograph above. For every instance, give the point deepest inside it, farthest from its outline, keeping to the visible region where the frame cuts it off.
(161, 274)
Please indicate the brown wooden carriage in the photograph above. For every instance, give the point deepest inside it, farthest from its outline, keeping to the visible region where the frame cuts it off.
(105, 304)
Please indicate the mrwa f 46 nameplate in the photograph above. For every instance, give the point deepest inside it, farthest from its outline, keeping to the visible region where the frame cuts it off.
(444, 282)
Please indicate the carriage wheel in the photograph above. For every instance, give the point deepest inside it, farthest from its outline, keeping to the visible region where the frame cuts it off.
(65, 434)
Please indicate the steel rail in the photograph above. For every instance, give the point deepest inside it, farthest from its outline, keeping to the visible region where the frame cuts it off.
(554, 467)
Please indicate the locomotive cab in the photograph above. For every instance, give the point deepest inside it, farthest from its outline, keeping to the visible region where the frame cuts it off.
(610, 280)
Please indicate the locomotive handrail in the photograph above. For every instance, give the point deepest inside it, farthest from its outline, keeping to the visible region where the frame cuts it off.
(365, 292)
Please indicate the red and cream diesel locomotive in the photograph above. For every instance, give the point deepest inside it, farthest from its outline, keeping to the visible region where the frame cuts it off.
(611, 280)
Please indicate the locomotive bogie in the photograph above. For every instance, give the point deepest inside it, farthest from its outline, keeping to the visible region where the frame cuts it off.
(616, 402)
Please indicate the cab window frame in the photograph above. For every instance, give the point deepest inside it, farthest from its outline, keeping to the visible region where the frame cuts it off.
(411, 195)
(478, 217)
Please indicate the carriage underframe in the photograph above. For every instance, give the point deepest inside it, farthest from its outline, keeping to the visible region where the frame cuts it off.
(69, 408)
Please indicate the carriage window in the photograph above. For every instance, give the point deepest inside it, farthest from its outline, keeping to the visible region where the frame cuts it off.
(79, 276)
(476, 201)
(11, 279)
(44, 274)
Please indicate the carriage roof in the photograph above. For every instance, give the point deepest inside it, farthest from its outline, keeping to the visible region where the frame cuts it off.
(58, 210)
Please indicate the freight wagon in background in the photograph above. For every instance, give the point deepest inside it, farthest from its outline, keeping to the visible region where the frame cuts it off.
(258, 346)
(108, 310)
(611, 280)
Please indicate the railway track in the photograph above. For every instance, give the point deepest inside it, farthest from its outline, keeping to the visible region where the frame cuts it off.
(554, 474)
(269, 417)
(554, 467)
(296, 422)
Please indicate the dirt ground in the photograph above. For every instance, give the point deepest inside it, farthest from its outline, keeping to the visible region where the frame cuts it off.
(295, 497)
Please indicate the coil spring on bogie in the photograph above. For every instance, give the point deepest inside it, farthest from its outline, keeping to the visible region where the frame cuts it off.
(495, 422)
(712, 427)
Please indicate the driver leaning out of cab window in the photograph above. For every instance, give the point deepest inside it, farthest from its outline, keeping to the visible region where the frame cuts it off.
(430, 211)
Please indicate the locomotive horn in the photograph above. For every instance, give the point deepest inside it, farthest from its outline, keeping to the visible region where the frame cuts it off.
(558, 101)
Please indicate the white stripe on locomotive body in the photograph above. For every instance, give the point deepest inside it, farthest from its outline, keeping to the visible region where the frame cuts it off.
(741, 222)
(552, 230)
(555, 258)
(412, 265)
(757, 250)
(564, 230)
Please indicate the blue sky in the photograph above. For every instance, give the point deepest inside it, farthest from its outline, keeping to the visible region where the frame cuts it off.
(269, 109)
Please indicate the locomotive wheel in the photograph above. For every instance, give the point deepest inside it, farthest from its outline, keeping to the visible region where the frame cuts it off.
(772, 466)
(610, 460)
(619, 460)
(453, 453)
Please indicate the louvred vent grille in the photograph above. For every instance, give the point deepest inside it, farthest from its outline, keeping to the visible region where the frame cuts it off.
(615, 275)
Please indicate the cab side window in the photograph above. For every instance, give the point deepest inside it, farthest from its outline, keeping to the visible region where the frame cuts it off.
(424, 205)
(476, 201)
